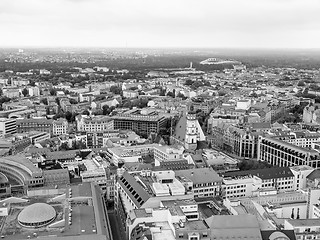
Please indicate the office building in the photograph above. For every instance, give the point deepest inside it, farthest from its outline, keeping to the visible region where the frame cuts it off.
(142, 122)
(283, 154)
(7, 126)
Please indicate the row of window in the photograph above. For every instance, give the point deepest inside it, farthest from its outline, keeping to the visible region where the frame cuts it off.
(205, 184)
(236, 191)
(204, 190)
(238, 186)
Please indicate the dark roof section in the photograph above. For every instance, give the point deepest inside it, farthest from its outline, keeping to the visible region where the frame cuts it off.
(181, 128)
(265, 173)
(266, 234)
(260, 125)
(136, 192)
(85, 153)
(314, 174)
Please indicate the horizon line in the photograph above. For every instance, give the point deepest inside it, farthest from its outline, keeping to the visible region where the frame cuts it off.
(160, 48)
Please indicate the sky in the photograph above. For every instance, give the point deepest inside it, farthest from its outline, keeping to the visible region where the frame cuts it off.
(160, 23)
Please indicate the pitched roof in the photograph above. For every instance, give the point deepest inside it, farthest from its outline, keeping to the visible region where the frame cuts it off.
(128, 182)
(314, 174)
(261, 125)
(265, 173)
(181, 128)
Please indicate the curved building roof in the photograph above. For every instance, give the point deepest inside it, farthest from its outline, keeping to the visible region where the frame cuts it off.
(37, 213)
(3, 178)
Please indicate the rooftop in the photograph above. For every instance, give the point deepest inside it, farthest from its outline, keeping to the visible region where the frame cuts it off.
(200, 175)
(291, 146)
(266, 173)
(304, 222)
(234, 227)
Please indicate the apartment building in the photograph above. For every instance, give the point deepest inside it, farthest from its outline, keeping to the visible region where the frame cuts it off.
(34, 124)
(94, 123)
(301, 138)
(65, 105)
(224, 115)
(59, 127)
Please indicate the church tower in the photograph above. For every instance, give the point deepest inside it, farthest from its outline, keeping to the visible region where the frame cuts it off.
(191, 132)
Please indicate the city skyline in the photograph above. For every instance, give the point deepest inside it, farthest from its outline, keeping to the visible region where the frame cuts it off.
(160, 24)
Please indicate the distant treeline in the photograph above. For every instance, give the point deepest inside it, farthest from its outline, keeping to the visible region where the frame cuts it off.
(300, 60)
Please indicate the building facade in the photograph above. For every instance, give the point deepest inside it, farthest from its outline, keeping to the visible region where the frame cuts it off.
(7, 126)
(94, 123)
(283, 154)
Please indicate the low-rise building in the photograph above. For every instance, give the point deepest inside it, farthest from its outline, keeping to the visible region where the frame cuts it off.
(59, 127)
(94, 123)
(7, 126)
(205, 181)
(34, 124)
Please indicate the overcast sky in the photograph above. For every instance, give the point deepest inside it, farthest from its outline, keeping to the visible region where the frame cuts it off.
(160, 23)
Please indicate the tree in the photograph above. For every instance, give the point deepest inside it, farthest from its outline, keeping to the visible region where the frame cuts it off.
(44, 101)
(32, 83)
(85, 112)
(64, 146)
(171, 94)
(222, 92)
(133, 88)
(301, 83)
(70, 116)
(25, 92)
(73, 101)
(53, 91)
(180, 95)
(115, 89)
(162, 92)
(105, 110)
(188, 82)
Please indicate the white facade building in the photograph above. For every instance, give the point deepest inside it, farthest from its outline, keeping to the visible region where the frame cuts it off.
(59, 127)
(7, 126)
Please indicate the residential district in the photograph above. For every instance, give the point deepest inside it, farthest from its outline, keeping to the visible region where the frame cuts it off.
(178, 153)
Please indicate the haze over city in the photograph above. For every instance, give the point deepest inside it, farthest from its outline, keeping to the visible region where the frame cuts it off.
(160, 120)
(160, 24)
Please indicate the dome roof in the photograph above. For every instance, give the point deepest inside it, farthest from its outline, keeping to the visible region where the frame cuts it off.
(37, 213)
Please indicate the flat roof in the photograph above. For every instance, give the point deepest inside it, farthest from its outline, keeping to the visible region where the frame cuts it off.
(199, 175)
(304, 222)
